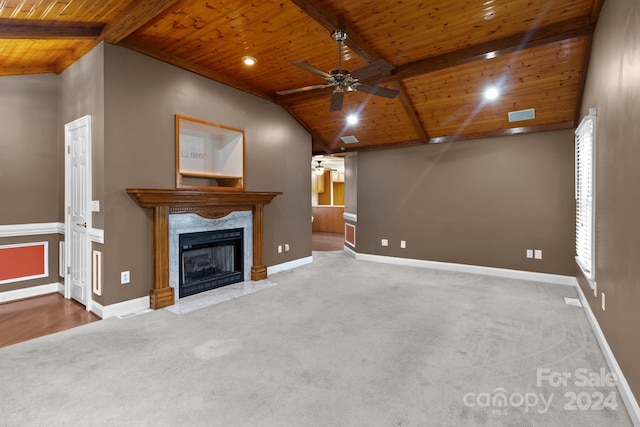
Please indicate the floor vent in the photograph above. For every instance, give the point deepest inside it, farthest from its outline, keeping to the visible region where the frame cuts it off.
(572, 301)
(516, 116)
(135, 313)
(350, 139)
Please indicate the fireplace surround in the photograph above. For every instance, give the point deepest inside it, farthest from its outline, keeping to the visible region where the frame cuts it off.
(210, 204)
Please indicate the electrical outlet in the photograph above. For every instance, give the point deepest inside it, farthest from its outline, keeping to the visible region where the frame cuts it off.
(537, 254)
(403, 244)
(286, 247)
(602, 293)
(384, 242)
(529, 253)
(279, 249)
(125, 277)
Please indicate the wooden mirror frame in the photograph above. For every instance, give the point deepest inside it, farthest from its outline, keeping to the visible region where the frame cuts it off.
(209, 155)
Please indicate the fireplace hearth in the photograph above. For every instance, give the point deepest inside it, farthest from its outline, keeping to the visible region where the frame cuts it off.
(209, 260)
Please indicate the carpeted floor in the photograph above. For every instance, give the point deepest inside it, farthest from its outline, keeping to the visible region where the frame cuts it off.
(338, 342)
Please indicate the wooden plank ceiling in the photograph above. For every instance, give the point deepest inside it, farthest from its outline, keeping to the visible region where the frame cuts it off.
(445, 54)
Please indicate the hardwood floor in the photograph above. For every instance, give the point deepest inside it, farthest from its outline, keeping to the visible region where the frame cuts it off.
(43, 315)
(321, 241)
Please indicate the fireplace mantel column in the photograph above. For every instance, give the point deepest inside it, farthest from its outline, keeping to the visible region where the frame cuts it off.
(208, 204)
(162, 294)
(258, 270)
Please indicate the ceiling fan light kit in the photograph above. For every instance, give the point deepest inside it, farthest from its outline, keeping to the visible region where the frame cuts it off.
(345, 81)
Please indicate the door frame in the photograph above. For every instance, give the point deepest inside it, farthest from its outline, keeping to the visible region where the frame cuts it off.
(82, 121)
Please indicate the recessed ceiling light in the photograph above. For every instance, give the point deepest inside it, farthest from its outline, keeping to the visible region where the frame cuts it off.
(491, 55)
(489, 15)
(249, 60)
(491, 93)
(352, 119)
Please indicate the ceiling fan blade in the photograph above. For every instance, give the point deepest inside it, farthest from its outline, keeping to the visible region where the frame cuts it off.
(336, 101)
(300, 89)
(376, 90)
(375, 68)
(312, 69)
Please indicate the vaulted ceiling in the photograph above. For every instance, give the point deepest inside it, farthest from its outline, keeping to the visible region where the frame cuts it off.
(444, 53)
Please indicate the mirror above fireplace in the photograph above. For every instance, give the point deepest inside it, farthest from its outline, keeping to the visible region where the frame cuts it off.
(208, 155)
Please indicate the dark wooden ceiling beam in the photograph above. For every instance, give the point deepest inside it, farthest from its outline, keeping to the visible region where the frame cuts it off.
(36, 30)
(331, 22)
(411, 112)
(14, 70)
(549, 34)
(506, 132)
(133, 18)
(321, 14)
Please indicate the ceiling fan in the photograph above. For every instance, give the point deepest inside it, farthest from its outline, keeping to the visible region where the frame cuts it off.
(343, 80)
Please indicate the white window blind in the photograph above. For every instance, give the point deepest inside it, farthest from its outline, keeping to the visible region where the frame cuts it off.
(585, 202)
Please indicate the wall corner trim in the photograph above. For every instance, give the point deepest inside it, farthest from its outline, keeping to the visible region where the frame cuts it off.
(350, 217)
(289, 265)
(32, 291)
(628, 398)
(350, 252)
(121, 309)
(473, 269)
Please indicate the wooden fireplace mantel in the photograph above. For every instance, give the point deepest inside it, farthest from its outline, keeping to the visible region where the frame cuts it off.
(208, 204)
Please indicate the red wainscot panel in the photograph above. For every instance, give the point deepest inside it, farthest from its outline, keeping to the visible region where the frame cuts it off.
(24, 261)
(350, 234)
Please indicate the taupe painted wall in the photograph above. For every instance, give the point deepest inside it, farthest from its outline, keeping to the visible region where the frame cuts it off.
(482, 202)
(613, 87)
(29, 149)
(81, 94)
(351, 183)
(29, 155)
(142, 96)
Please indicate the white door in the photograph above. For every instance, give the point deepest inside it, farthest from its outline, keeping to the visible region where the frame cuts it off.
(77, 136)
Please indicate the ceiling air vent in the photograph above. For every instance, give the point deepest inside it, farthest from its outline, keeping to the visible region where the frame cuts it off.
(350, 139)
(516, 116)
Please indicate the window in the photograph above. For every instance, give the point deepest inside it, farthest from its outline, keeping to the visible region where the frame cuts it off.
(585, 192)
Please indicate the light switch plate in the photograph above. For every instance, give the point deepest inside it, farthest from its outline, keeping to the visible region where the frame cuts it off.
(95, 206)
(538, 254)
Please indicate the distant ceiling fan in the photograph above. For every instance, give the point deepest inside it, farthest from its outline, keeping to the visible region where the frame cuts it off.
(344, 80)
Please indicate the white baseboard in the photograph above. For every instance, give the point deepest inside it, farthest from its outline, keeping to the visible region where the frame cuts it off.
(473, 269)
(623, 387)
(122, 308)
(289, 265)
(32, 291)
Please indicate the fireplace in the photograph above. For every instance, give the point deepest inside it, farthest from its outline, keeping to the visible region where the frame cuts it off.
(210, 204)
(209, 260)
